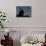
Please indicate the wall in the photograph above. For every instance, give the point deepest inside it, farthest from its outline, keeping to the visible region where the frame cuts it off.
(36, 23)
(38, 18)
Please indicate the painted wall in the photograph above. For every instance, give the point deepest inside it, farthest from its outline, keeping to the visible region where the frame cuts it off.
(38, 18)
(37, 22)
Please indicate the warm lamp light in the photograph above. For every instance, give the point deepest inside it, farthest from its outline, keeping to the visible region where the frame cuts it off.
(6, 30)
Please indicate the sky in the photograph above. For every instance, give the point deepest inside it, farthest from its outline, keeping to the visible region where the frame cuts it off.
(27, 10)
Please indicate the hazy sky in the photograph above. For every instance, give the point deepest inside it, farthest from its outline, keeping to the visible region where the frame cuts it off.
(27, 10)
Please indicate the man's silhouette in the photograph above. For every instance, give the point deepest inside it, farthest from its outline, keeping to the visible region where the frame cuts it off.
(21, 13)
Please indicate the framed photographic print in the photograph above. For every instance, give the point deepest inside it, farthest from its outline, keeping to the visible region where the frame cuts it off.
(23, 11)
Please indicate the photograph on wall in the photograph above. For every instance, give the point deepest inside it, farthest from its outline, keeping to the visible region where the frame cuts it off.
(23, 11)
